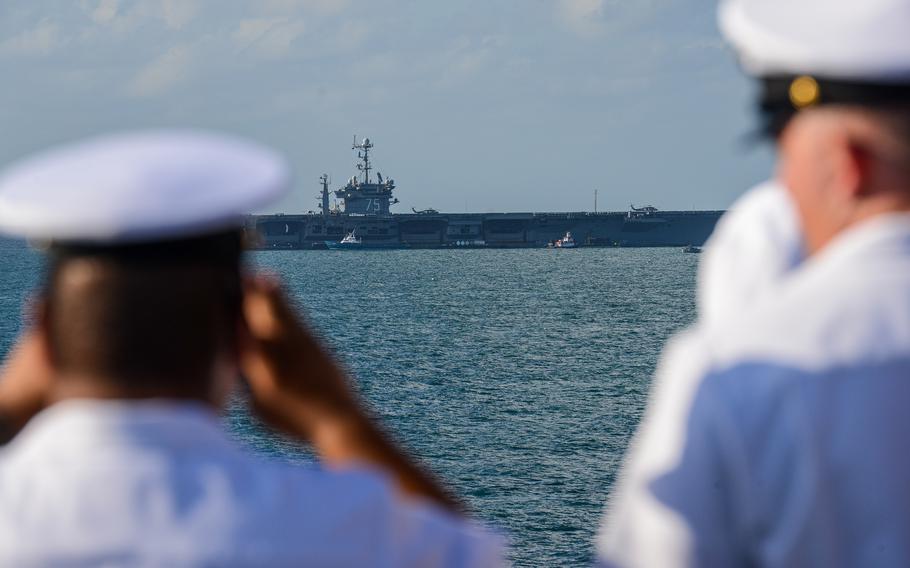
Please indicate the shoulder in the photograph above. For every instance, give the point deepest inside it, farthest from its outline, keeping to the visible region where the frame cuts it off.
(441, 538)
(825, 321)
(230, 504)
(819, 318)
(824, 327)
(333, 509)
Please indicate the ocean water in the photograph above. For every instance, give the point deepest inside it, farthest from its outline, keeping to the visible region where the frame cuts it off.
(517, 375)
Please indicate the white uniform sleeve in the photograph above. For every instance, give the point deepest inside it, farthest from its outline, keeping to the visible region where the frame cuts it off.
(672, 503)
(425, 535)
(754, 245)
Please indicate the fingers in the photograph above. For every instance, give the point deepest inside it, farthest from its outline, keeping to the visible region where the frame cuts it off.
(262, 307)
(269, 313)
(281, 358)
(28, 355)
(273, 344)
(25, 380)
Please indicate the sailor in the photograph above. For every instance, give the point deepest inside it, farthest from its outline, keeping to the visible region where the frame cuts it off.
(776, 436)
(112, 398)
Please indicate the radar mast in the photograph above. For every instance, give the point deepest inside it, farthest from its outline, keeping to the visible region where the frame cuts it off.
(362, 195)
(364, 154)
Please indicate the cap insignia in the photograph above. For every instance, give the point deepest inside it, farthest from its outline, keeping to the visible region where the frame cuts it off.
(804, 92)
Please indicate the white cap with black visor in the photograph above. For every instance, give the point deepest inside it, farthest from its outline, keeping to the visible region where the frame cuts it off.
(818, 52)
(141, 195)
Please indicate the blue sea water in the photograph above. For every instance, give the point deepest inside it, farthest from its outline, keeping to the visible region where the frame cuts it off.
(517, 375)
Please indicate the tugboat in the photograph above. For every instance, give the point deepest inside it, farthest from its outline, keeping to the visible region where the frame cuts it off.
(692, 249)
(350, 241)
(567, 242)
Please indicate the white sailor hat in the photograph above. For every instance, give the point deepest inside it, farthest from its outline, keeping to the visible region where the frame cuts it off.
(811, 52)
(139, 187)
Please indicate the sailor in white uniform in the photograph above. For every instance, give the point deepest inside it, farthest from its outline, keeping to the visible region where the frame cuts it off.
(111, 400)
(776, 437)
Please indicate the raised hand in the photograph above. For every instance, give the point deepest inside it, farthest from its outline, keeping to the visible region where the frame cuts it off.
(297, 386)
(25, 384)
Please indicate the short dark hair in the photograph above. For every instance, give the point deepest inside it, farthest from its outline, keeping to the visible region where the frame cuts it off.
(147, 316)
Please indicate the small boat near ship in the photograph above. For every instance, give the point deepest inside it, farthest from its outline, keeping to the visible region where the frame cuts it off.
(692, 249)
(350, 241)
(566, 242)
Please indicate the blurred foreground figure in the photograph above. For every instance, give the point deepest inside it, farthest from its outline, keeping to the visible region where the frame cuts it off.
(755, 245)
(111, 398)
(776, 431)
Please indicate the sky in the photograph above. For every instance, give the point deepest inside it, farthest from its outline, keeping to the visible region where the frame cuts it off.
(473, 105)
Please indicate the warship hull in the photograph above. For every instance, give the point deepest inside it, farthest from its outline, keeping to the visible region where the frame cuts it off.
(484, 230)
(366, 214)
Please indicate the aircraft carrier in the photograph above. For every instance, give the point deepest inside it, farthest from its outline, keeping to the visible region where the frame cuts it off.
(364, 217)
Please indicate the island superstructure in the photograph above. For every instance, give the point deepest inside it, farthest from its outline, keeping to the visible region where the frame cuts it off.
(366, 212)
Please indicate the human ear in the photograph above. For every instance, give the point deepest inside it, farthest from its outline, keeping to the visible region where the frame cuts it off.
(856, 168)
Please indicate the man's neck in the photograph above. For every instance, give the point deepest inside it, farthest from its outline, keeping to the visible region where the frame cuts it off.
(884, 204)
(71, 386)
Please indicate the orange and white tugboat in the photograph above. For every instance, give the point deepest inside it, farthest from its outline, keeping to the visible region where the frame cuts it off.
(567, 242)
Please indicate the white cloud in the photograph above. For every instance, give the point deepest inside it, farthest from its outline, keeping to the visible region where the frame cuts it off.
(123, 19)
(40, 40)
(177, 13)
(113, 16)
(381, 66)
(353, 34)
(250, 31)
(466, 58)
(294, 7)
(584, 17)
(105, 11)
(270, 37)
(163, 73)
